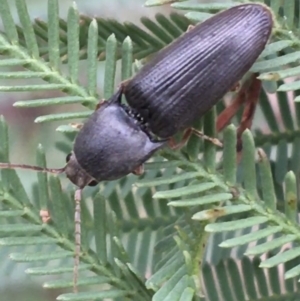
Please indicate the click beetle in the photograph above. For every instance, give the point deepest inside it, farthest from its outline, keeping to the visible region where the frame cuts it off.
(181, 83)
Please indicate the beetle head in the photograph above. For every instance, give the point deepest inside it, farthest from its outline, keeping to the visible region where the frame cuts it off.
(76, 174)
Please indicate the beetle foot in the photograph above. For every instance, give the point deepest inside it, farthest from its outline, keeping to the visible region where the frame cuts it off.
(45, 216)
(101, 102)
(77, 126)
(139, 170)
(190, 27)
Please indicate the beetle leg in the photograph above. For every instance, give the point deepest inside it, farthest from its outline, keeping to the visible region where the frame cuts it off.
(241, 98)
(250, 106)
(214, 141)
(187, 134)
(225, 117)
(139, 170)
(248, 95)
(174, 145)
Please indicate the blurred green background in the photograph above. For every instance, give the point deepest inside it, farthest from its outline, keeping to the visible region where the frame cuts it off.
(25, 135)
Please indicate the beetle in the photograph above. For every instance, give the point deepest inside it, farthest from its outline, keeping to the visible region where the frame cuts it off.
(181, 83)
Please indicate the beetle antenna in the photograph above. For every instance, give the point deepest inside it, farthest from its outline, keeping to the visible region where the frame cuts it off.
(31, 167)
(78, 195)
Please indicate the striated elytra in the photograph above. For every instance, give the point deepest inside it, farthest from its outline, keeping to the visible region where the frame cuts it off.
(181, 83)
(187, 78)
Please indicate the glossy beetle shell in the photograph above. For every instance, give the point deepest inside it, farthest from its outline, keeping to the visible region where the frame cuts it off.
(111, 143)
(191, 75)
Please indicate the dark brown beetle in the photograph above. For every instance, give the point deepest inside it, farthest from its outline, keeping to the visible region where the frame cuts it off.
(179, 85)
